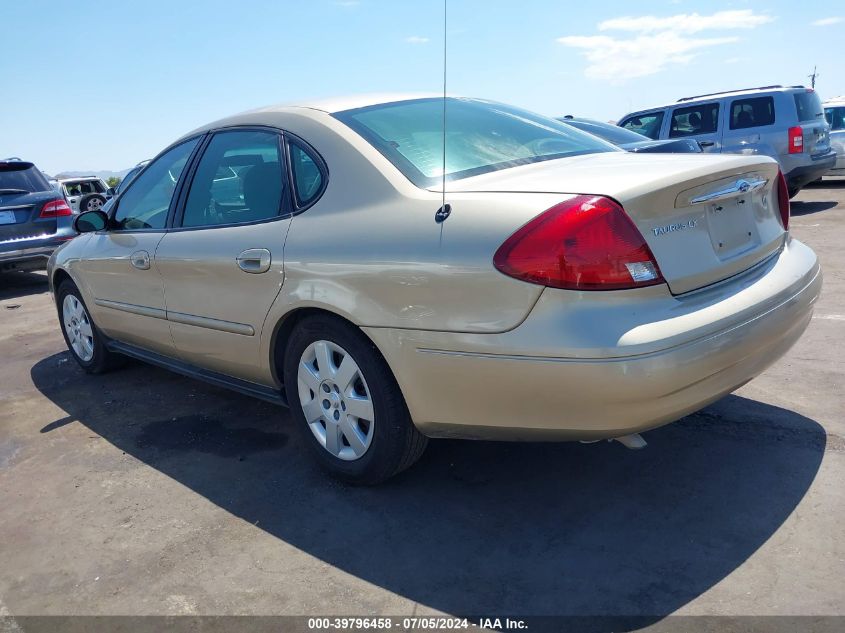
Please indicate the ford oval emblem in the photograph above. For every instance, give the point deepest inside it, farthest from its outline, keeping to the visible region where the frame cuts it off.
(743, 185)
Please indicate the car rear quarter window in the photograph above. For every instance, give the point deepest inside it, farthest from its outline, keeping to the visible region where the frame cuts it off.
(307, 176)
(21, 177)
(645, 124)
(808, 106)
(753, 112)
(694, 120)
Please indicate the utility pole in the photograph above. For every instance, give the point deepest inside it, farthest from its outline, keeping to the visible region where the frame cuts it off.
(813, 78)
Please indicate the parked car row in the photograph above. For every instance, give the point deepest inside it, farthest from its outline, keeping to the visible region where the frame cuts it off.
(786, 123)
(561, 289)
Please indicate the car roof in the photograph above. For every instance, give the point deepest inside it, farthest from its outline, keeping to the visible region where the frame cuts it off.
(840, 100)
(78, 178)
(683, 101)
(332, 105)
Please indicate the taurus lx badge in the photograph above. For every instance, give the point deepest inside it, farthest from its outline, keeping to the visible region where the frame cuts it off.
(671, 228)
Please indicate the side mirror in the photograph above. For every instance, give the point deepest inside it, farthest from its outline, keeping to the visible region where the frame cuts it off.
(90, 221)
(111, 191)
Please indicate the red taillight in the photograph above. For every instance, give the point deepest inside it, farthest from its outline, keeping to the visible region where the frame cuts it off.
(585, 243)
(55, 209)
(783, 200)
(796, 140)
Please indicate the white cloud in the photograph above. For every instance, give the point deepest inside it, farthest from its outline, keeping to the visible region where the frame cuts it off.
(828, 21)
(619, 60)
(687, 22)
(656, 42)
(416, 39)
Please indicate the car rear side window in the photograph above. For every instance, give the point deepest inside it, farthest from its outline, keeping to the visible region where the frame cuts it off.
(808, 106)
(307, 176)
(835, 117)
(21, 177)
(753, 112)
(694, 120)
(240, 178)
(645, 124)
(145, 202)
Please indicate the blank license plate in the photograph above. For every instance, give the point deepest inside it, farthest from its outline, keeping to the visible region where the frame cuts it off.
(7, 217)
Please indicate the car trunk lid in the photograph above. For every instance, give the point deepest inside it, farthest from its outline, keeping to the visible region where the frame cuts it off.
(705, 218)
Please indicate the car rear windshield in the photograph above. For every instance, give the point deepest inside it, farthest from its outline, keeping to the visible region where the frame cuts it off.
(808, 105)
(481, 137)
(21, 177)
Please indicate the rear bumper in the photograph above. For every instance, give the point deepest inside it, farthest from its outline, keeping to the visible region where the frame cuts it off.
(30, 254)
(588, 367)
(797, 177)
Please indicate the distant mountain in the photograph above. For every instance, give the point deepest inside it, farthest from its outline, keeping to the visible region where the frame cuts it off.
(105, 174)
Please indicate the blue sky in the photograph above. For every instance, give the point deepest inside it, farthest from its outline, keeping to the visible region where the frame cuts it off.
(89, 85)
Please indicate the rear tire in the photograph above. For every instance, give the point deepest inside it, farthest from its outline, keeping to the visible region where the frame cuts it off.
(352, 378)
(85, 342)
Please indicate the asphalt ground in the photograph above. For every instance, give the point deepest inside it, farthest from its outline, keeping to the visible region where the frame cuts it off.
(141, 492)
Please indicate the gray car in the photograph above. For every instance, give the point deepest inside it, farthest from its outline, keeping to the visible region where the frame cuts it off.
(34, 217)
(786, 123)
(834, 111)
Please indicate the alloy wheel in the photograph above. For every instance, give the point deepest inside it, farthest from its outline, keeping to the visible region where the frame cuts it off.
(78, 328)
(335, 399)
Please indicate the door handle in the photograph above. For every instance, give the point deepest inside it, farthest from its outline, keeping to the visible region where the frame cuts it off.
(254, 260)
(706, 143)
(140, 260)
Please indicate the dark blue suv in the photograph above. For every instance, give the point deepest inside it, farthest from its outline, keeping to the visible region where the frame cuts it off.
(34, 218)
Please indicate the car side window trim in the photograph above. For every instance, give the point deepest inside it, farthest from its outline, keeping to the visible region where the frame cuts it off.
(176, 194)
(285, 209)
(321, 165)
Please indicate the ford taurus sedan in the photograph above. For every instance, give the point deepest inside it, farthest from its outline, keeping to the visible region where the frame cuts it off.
(560, 288)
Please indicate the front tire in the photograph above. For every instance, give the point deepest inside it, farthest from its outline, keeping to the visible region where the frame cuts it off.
(345, 400)
(85, 342)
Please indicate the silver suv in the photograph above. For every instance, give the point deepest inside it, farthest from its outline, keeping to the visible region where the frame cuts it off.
(786, 123)
(834, 111)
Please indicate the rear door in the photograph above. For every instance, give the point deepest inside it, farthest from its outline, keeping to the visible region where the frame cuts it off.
(222, 261)
(810, 113)
(118, 264)
(700, 122)
(748, 119)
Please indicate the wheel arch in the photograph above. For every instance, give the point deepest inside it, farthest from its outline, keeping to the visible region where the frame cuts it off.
(284, 327)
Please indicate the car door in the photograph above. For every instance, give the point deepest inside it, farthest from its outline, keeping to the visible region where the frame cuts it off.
(118, 267)
(699, 121)
(748, 119)
(222, 261)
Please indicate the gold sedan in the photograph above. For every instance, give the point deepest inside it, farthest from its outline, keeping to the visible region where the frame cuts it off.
(559, 289)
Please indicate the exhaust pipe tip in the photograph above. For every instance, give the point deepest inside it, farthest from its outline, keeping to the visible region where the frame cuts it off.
(634, 441)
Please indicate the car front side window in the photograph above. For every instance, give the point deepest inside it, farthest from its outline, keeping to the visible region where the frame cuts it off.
(145, 203)
(645, 124)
